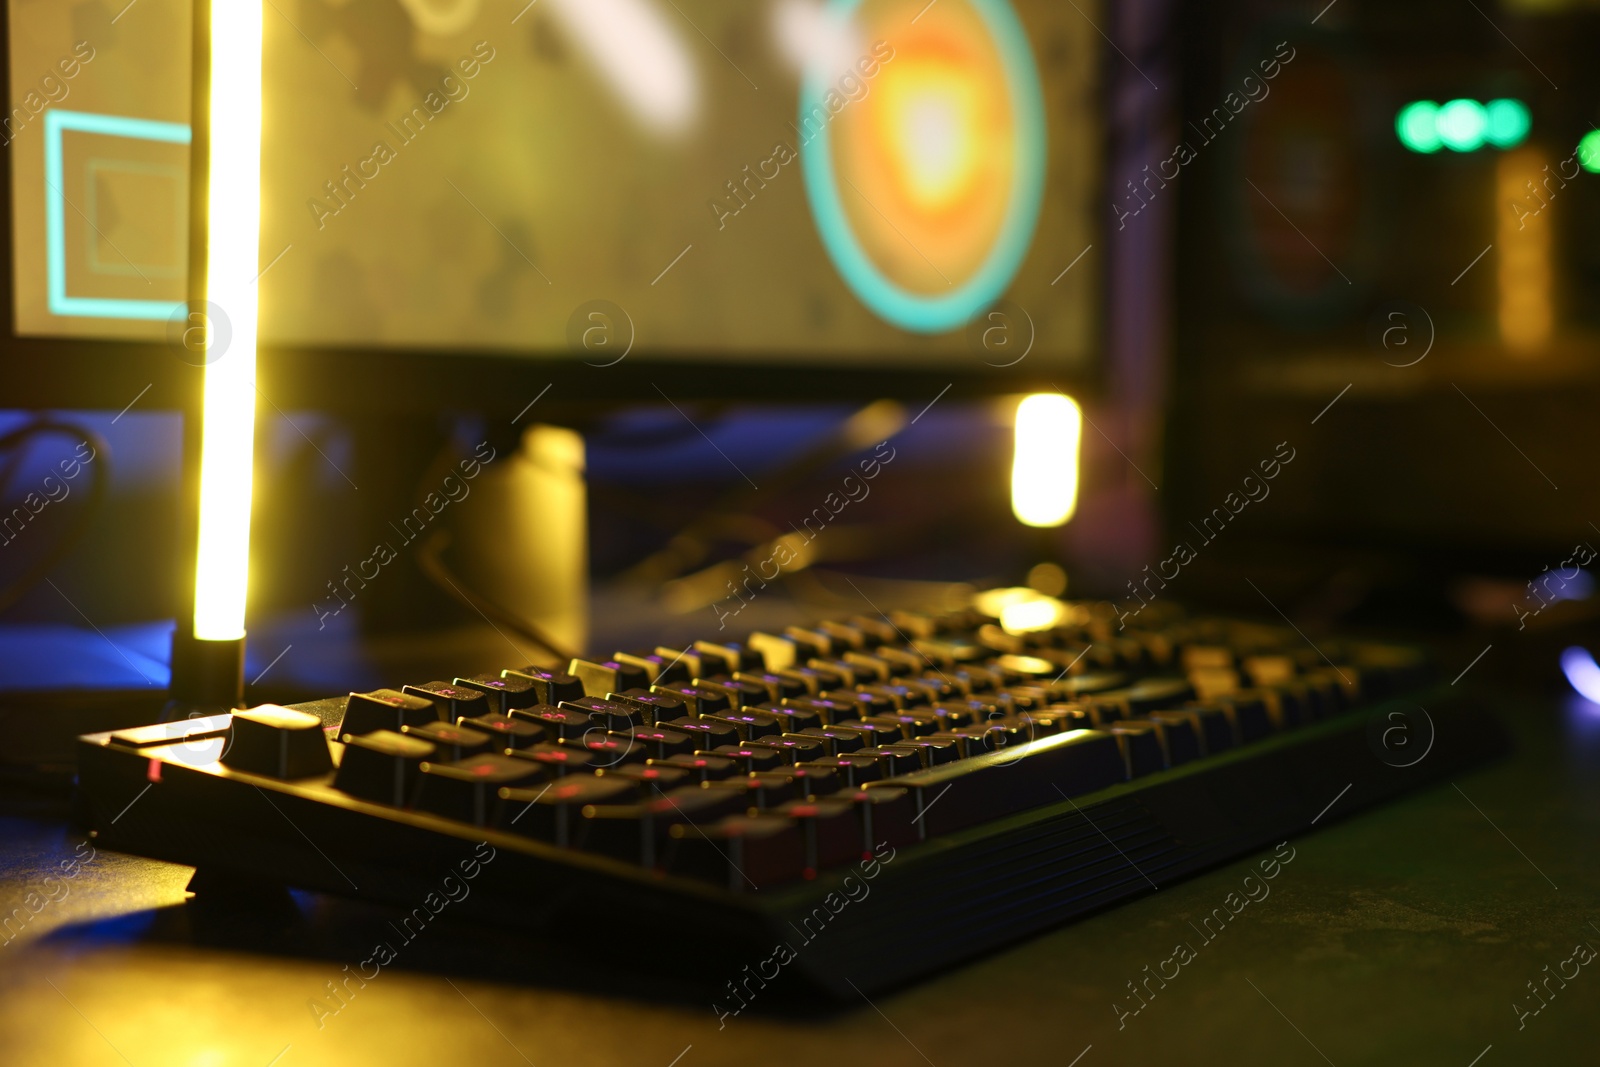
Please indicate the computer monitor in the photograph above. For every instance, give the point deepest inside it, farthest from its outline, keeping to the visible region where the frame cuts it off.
(464, 201)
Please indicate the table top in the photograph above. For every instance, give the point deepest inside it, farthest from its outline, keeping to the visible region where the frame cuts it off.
(1405, 935)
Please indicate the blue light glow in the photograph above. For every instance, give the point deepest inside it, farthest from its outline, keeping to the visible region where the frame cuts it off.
(1581, 670)
(56, 124)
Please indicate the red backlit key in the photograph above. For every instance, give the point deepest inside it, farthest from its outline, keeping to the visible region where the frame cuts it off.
(467, 789)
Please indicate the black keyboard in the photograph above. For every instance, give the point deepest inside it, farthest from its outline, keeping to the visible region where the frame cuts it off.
(868, 798)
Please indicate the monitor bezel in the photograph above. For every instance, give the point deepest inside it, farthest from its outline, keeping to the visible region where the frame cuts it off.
(92, 374)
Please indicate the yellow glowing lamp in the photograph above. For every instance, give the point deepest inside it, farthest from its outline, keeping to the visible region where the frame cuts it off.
(225, 215)
(233, 212)
(1044, 468)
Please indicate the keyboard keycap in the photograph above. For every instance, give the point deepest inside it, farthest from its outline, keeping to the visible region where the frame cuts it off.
(559, 760)
(888, 815)
(453, 742)
(699, 700)
(777, 686)
(547, 812)
(652, 778)
(856, 770)
(1178, 736)
(609, 714)
(869, 669)
(914, 722)
(385, 709)
(1249, 715)
(740, 695)
(656, 668)
(1140, 743)
(792, 718)
(693, 663)
(777, 653)
(753, 758)
(741, 852)
(875, 630)
(504, 694)
(836, 741)
(997, 784)
(456, 702)
(816, 781)
(550, 687)
(958, 713)
(708, 734)
(607, 676)
(1158, 694)
(876, 731)
(468, 789)
(506, 731)
(1288, 703)
(1212, 727)
(934, 751)
(700, 767)
(831, 830)
(381, 766)
(734, 656)
(636, 833)
(660, 742)
(751, 724)
(845, 635)
(827, 711)
(564, 724)
(608, 749)
(794, 749)
(760, 791)
(278, 743)
(894, 759)
(655, 707)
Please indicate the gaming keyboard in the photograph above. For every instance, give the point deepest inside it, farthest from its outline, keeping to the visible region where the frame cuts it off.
(869, 798)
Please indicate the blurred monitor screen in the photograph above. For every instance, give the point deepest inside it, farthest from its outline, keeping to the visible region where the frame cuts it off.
(814, 181)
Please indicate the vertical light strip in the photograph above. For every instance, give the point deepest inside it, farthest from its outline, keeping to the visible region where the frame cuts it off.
(234, 219)
(1524, 198)
(1044, 467)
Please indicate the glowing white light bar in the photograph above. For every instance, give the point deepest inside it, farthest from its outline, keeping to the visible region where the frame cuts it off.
(639, 54)
(1044, 468)
(234, 220)
(811, 37)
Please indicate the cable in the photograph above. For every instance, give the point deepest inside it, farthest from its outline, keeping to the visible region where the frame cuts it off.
(429, 559)
(691, 545)
(18, 440)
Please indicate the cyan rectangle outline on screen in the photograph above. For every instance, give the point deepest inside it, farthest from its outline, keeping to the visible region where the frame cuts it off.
(56, 123)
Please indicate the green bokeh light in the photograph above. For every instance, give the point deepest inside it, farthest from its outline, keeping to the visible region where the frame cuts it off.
(1417, 126)
(1508, 122)
(1462, 125)
(1589, 152)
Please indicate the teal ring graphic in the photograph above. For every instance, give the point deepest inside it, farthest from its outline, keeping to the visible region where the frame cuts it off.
(911, 311)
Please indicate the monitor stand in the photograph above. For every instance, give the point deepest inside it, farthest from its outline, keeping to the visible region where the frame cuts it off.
(522, 535)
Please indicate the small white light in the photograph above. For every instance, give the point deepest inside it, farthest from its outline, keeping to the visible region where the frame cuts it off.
(1044, 468)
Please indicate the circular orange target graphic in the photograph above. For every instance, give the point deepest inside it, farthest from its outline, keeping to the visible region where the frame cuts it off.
(924, 162)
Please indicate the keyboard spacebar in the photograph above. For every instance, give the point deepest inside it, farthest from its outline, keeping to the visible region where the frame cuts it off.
(996, 784)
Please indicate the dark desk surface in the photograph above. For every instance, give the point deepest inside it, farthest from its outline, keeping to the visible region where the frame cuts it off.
(1402, 936)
